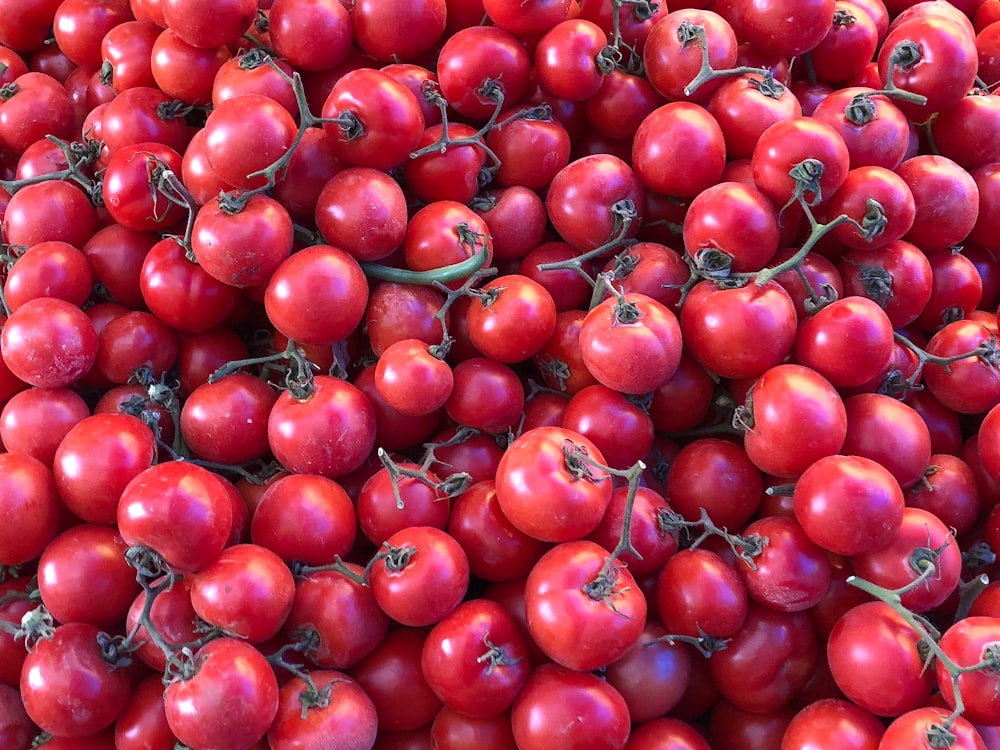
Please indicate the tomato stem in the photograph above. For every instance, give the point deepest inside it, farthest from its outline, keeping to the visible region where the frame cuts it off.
(689, 34)
(450, 487)
(986, 351)
(444, 275)
(79, 156)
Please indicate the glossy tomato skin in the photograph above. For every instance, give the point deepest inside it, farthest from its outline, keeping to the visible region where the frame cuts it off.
(965, 643)
(178, 509)
(424, 577)
(914, 729)
(230, 701)
(68, 687)
(605, 614)
(28, 494)
(697, 591)
(535, 465)
(633, 345)
(740, 332)
(833, 723)
(791, 574)
(863, 643)
(667, 138)
(476, 659)
(336, 409)
(560, 706)
(849, 505)
(798, 417)
(48, 343)
(349, 716)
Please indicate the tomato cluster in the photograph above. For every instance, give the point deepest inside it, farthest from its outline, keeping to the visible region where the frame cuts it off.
(499, 374)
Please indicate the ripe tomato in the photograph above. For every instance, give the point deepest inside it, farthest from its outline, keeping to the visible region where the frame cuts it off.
(923, 728)
(178, 509)
(795, 418)
(423, 577)
(968, 386)
(867, 511)
(699, 592)
(832, 724)
(228, 701)
(48, 269)
(362, 211)
(679, 150)
(348, 713)
(541, 463)
(966, 643)
(28, 494)
(411, 380)
(36, 420)
(671, 61)
(476, 659)
(226, 421)
(570, 708)
(48, 342)
(513, 320)
(68, 686)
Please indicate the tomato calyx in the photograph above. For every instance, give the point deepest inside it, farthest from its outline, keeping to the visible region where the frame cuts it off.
(767, 84)
(174, 110)
(860, 110)
(978, 556)
(36, 625)
(254, 58)
(606, 587)
(495, 656)
(843, 18)
(703, 643)
(396, 558)
(8, 91)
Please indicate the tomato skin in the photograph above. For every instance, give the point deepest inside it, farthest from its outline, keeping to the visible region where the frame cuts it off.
(670, 136)
(965, 643)
(892, 567)
(832, 340)
(868, 510)
(427, 585)
(565, 708)
(344, 614)
(768, 660)
(87, 557)
(247, 591)
(230, 701)
(48, 343)
(864, 641)
(389, 115)
(350, 715)
(913, 730)
(632, 346)
(719, 324)
(830, 724)
(68, 687)
(178, 509)
(398, 34)
(575, 626)
(798, 417)
(791, 574)
(317, 295)
(533, 466)
(476, 659)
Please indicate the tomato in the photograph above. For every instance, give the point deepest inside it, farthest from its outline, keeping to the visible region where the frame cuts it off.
(898, 277)
(329, 33)
(422, 578)
(874, 130)
(541, 463)
(170, 54)
(242, 248)
(687, 161)
(582, 613)
(738, 332)
(791, 573)
(587, 199)
(631, 344)
(946, 198)
(778, 28)
(343, 614)
(475, 56)
(392, 677)
(420, 503)
(132, 341)
(246, 134)
(48, 269)
(833, 723)
(36, 420)
(513, 319)
(922, 727)
(965, 643)
(487, 395)
(228, 701)
(560, 705)
(795, 418)
(954, 130)
(516, 220)
(666, 732)
(363, 211)
(737, 220)
(697, 591)
(144, 722)
(400, 34)
(476, 659)
(868, 510)
(375, 121)
(143, 114)
(567, 59)
(29, 495)
(968, 386)
(532, 149)
(304, 517)
(178, 509)
(48, 342)
(171, 614)
(34, 105)
(348, 713)
(767, 661)
(49, 210)
(716, 476)
(68, 686)
(672, 55)
(443, 233)
(208, 24)
(849, 342)
(317, 295)
(922, 538)
(87, 558)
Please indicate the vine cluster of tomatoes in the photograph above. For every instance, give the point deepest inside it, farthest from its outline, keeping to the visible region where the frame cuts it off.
(499, 374)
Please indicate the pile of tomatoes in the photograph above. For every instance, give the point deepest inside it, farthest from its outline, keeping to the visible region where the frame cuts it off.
(499, 374)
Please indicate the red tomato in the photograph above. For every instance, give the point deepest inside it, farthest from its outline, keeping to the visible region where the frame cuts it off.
(229, 698)
(699, 592)
(833, 724)
(584, 610)
(543, 462)
(347, 714)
